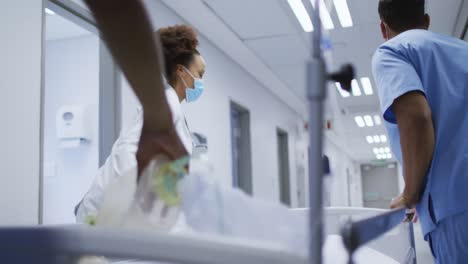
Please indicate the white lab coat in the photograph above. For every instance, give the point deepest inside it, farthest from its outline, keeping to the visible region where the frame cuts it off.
(122, 160)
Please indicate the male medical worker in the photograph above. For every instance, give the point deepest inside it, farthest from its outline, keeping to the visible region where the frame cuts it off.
(422, 78)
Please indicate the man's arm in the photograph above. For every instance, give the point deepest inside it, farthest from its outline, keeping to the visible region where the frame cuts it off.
(417, 139)
(125, 27)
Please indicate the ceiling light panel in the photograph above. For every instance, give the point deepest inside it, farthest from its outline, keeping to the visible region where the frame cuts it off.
(368, 121)
(342, 9)
(360, 121)
(377, 120)
(376, 139)
(355, 88)
(324, 15)
(49, 12)
(301, 14)
(342, 92)
(367, 86)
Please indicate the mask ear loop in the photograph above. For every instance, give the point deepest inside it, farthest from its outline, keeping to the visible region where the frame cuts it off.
(191, 75)
(182, 79)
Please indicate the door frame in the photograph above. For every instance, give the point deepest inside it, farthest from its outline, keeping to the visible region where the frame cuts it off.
(109, 87)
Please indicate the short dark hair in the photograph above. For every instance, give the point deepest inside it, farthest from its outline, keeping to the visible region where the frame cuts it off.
(402, 15)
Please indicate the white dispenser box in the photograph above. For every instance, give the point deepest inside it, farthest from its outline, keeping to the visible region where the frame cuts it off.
(73, 125)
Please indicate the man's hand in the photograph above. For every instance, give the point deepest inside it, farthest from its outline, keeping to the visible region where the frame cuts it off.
(162, 143)
(401, 202)
(398, 202)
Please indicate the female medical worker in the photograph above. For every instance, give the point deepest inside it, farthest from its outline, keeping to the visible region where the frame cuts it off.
(184, 69)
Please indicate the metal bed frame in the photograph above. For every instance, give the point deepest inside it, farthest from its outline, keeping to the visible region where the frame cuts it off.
(59, 245)
(67, 244)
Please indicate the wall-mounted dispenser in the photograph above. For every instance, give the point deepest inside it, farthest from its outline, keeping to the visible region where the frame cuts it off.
(73, 126)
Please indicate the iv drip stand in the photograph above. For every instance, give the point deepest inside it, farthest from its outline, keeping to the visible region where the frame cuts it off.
(317, 78)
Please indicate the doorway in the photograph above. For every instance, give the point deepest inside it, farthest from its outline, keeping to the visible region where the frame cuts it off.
(241, 151)
(79, 109)
(283, 166)
(380, 185)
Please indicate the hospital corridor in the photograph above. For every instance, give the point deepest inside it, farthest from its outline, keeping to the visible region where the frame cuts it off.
(234, 131)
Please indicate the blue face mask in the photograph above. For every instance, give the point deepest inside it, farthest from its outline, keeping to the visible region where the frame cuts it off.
(192, 94)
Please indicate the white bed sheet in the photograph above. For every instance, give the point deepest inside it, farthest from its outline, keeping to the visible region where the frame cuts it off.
(334, 252)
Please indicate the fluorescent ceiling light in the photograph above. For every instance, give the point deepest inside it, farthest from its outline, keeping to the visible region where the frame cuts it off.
(379, 156)
(387, 150)
(344, 15)
(359, 121)
(389, 156)
(383, 138)
(324, 15)
(301, 14)
(381, 150)
(376, 151)
(355, 88)
(370, 139)
(48, 11)
(343, 93)
(367, 86)
(368, 121)
(377, 120)
(376, 139)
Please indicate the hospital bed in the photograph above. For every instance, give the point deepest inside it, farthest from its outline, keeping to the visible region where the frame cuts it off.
(381, 231)
(67, 244)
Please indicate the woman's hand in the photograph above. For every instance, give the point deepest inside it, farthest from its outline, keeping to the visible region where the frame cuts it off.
(156, 143)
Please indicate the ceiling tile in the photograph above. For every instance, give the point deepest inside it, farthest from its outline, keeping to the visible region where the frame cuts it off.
(284, 50)
(255, 19)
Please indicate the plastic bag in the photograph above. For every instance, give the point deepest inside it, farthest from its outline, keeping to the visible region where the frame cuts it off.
(152, 205)
(156, 204)
(209, 207)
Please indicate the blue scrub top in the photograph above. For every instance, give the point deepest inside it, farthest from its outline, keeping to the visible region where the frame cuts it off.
(437, 66)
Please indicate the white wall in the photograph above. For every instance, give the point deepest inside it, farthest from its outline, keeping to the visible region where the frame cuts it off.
(227, 81)
(342, 192)
(71, 77)
(20, 86)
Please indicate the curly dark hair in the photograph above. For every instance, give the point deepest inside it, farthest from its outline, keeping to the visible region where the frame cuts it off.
(179, 45)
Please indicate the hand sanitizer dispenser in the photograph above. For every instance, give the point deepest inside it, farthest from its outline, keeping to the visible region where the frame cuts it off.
(73, 126)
